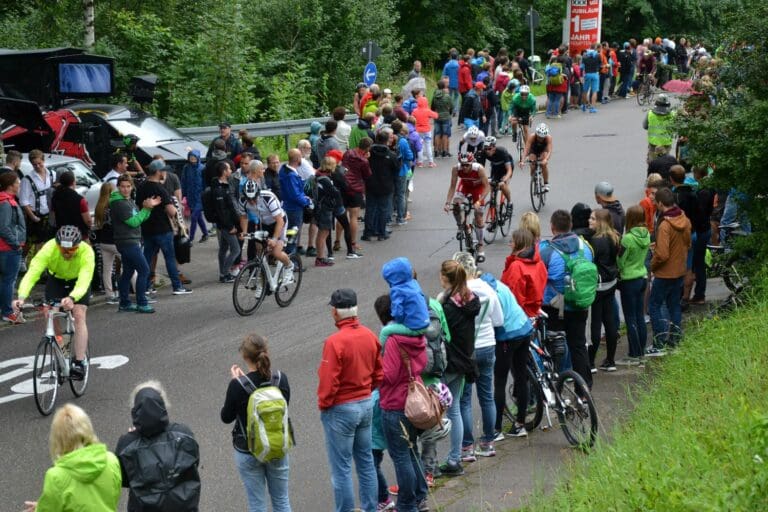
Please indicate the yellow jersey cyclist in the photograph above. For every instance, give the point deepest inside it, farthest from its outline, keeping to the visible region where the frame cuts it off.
(539, 147)
(70, 265)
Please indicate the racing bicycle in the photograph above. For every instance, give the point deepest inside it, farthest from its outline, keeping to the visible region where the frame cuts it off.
(466, 234)
(538, 192)
(725, 264)
(255, 280)
(54, 357)
(645, 91)
(565, 392)
(498, 215)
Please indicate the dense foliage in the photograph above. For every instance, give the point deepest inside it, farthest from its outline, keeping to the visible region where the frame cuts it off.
(276, 59)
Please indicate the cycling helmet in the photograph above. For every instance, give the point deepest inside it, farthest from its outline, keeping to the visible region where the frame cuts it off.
(490, 141)
(524, 89)
(473, 132)
(466, 158)
(443, 393)
(542, 130)
(68, 236)
(251, 189)
(514, 83)
(438, 432)
(130, 139)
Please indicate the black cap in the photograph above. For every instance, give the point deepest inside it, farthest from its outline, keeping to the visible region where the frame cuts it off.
(343, 298)
(225, 124)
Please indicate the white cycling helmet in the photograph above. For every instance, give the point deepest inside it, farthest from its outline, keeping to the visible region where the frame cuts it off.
(524, 89)
(542, 130)
(438, 432)
(490, 141)
(251, 189)
(68, 236)
(473, 132)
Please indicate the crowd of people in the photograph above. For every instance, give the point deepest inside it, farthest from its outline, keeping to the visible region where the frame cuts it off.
(652, 253)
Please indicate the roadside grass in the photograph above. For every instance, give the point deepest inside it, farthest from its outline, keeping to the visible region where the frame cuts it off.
(697, 438)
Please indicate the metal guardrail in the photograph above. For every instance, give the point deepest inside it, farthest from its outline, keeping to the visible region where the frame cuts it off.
(269, 129)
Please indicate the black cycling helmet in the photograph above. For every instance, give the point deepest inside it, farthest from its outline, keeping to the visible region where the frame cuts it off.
(68, 236)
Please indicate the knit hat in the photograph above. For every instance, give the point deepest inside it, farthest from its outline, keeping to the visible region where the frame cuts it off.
(336, 155)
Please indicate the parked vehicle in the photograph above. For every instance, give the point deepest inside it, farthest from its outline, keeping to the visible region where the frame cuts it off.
(87, 183)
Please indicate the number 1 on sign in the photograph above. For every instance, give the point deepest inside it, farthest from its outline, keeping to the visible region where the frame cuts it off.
(575, 21)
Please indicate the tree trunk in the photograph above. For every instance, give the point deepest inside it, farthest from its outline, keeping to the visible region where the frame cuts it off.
(90, 34)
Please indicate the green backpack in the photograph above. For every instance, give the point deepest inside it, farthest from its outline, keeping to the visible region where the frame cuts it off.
(580, 278)
(269, 432)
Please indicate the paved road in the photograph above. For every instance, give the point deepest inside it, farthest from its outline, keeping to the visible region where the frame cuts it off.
(192, 341)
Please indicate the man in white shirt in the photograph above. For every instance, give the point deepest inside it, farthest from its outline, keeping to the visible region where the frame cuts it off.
(34, 198)
(305, 169)
(490, 316)
(119, 167)
(342, 128)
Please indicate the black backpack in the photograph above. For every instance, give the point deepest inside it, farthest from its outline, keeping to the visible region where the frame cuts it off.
(209, 205)
(162, 472)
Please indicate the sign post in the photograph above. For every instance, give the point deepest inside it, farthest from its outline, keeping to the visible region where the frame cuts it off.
(584, 22)
(532, 20)
(369, 52)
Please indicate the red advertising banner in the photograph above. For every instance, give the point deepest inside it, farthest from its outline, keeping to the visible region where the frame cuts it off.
(584, 20)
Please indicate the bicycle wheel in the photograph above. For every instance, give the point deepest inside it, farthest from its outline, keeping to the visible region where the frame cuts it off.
(505, 215)
(286, 291)
(535, 192)
(542, 189)
(78, 386)
(491, 222)
(578, 419)
(520, 143)
(45, 375)
(535, 409)
(640, 96)
(249, 288)
(469, 242)
(649, 97)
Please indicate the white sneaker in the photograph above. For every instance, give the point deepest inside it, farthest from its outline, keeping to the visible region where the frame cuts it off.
(287, 276)
(546, 188)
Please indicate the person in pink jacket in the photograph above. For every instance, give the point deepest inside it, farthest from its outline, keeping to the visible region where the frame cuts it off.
(423, 115)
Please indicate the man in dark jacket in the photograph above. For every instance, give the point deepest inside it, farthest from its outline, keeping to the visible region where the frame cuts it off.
(604, 197)
(688, 201)
(168, 449)
(472, 108)
(230, 218)
(232, 145)
(218, 154)
(380, 187)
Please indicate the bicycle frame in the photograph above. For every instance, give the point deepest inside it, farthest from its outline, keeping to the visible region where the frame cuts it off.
(261, 237)
(52, 312)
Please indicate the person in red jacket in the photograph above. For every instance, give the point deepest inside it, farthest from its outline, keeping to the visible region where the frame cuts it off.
(465, 81)
(350, 369)
(524, 272)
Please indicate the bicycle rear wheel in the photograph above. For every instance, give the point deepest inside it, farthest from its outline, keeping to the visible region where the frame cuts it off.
(286, 291)
(535, 408)
(520, 143)
(45, 375)
(506, 210)
(249, 288)
(542, 189)
(535, 192)
(640, 96)
(78, 386)
(578, 419)
(491, 222)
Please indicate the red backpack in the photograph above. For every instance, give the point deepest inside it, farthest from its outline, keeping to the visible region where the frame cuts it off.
(501, 83)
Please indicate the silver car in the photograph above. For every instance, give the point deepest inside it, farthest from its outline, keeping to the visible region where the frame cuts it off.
(87, 183)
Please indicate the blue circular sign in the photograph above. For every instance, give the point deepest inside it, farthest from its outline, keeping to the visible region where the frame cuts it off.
(369, 74)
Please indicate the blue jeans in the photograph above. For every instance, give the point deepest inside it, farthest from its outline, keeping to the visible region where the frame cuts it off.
(347, 437)
(164, 243)
(378, 211)
(229, 251)
(666, 292)
(455, 383)
(401, 185)
(485, 357)
(405, 456)
(632, 295)
(255, 474)
(133, 260)
(295, 219)
(553, 103)
(10, 261)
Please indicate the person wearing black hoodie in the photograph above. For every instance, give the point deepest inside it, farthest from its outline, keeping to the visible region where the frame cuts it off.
(155, 448)
(380, 187)
(604, 197)
(605, 244)
(580, 214)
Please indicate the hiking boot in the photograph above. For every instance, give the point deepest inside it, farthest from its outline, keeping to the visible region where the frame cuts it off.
(517, 430)
(468, 454)
(486, 450)
(311, 251)
(145, 309)
(451, 468)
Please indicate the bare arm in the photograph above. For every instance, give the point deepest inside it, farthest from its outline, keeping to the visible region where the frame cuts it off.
(451, 187)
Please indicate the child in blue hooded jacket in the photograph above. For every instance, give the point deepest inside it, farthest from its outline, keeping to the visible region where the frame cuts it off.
(192, 190)
(409, 307)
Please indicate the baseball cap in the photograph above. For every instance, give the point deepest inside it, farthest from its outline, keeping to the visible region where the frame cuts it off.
(225, 124)
(343, 298)
(155, 166)
(604, 189)
(480, 85)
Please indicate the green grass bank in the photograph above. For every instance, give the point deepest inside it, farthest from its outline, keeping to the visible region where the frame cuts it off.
(697, 438)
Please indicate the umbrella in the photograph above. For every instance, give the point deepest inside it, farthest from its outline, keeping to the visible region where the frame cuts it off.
(414, 83)
(678, 86)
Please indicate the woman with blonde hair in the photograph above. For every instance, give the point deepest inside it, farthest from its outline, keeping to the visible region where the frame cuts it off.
(256, 475)
(104, 238)
(84, 476)
(530, 221)
(605, 246)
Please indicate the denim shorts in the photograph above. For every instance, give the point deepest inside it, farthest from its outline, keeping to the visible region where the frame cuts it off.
(443, 127)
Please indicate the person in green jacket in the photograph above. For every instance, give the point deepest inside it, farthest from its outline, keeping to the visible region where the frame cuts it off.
(126, 225)
(84, 476)
(632, 284)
